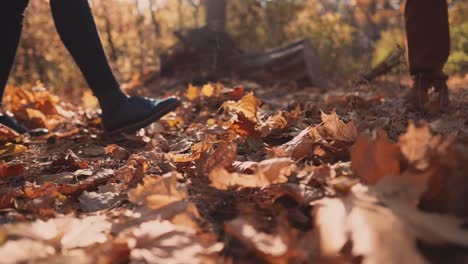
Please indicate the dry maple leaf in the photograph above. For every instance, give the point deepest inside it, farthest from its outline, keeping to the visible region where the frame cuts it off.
(272, 171)
(372, 159)
(192, 92)
(340, 131)
(157, 192)
(248, 106)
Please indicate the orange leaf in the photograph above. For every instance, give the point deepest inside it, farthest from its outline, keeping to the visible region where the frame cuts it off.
(372, 159)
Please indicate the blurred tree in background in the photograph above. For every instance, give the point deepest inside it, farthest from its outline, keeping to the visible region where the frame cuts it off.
(350, 35)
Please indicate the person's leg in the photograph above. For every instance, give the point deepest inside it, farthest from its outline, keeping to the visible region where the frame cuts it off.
(428, 46)
(77, 29)
(11, 24)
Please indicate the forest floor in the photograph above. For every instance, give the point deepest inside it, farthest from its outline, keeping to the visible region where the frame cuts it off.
(240, 173)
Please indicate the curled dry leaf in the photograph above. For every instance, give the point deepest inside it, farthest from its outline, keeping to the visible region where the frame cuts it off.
(117, 152)
(7, 134)
(11, 150)
(248, 106)
(340, 130)
(272, 171)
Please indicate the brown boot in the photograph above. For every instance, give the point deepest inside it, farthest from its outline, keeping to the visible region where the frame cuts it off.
(418, 96)
(441, 89)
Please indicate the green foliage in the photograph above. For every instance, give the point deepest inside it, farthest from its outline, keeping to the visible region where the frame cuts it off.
(389, 41)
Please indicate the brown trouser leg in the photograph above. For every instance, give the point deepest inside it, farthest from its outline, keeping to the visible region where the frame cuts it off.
(428, 39)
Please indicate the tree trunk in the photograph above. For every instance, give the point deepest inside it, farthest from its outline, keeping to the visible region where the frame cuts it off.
(154, 21)
(216, 14)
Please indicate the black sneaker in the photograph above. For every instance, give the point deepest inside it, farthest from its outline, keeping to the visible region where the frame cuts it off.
(12, 123)
(136, 113)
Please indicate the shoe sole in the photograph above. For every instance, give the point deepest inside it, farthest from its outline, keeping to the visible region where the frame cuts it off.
(146, 122)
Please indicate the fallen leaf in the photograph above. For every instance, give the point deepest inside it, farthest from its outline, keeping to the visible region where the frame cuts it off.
(10, 170)
(157, 192)
(341, 131)
(208, 90)
(269, 172)
(117, 152)
(192, 92)
(248, 106)
(7, 134)
(374, 158)
(11, 150)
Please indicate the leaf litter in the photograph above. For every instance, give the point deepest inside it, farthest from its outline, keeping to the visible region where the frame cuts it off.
(238, 175)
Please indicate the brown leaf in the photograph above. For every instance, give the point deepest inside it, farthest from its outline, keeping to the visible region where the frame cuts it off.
(157, 192)
(11, 150)
(372, 159)
(248, 106)
(117, 152)
(7, 134)
(223, 156)
(419, 146)
(10, 170)
(269, 172)
(340, 131)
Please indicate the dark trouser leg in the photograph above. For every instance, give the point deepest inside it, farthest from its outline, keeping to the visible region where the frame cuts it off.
(77, 29)
(428, 45)
(11, 23)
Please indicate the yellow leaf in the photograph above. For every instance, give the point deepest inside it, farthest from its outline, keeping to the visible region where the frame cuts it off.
(9, 149)
(192, 92)
(248, 106)
(208, 90)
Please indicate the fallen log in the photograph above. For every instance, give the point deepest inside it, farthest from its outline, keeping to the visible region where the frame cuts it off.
(203, 55)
